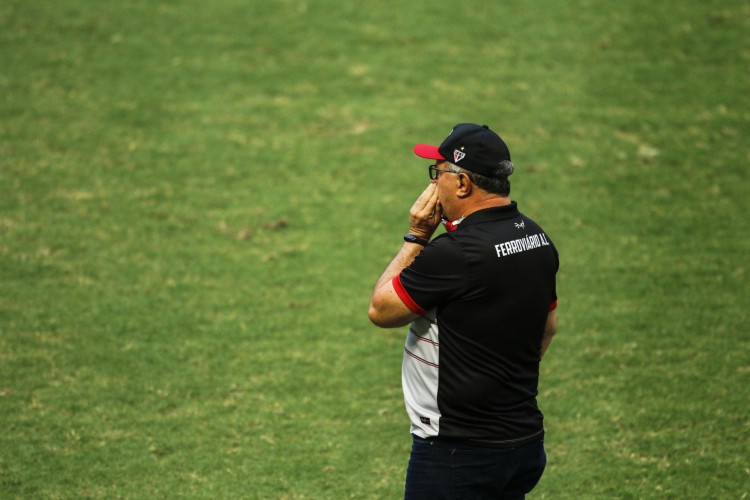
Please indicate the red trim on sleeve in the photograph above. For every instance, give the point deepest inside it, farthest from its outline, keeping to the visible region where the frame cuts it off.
(404, 296)
(553, 305)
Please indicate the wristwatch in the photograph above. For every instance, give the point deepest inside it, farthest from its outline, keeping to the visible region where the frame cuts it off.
(410, 238)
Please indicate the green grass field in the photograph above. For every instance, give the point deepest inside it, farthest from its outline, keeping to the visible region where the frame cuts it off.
(197, 197)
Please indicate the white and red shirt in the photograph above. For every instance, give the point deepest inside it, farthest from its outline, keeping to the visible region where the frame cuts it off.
(471, 360)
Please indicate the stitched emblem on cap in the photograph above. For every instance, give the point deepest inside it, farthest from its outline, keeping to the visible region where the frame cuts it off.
(458, 155)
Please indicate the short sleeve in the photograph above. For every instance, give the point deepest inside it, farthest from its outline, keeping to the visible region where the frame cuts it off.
(437, 275)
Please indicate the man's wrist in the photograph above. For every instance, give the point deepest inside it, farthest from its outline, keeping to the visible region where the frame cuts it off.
(421, 233)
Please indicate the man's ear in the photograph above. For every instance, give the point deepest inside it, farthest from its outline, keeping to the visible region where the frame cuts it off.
(463, 185)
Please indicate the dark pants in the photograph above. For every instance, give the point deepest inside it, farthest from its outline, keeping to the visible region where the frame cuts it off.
(447, 470)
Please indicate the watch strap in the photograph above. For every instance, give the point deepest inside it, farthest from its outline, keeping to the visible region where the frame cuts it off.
(410, 238)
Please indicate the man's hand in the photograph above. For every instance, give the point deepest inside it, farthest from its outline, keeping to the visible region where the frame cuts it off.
(424, 216)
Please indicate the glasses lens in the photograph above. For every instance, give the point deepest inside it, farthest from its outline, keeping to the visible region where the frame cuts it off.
(433, 172)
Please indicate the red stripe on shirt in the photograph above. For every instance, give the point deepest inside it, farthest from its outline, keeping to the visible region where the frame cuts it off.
(421, 360)
(405, 298)
(553, 305)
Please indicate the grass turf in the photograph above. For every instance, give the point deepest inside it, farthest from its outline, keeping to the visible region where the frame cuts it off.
(196, 198)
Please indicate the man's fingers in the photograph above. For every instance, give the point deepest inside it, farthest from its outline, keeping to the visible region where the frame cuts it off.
(428, 197)
(431, 196)
(432, 203)
(428, 192)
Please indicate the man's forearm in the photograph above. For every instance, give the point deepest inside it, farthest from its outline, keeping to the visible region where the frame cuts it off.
(387, 310)
(550, 329)
(401, 261)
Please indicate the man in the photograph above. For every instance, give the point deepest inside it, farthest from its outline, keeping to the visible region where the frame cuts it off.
(481, 301)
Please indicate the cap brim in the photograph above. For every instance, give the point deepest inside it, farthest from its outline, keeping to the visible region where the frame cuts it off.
(427, 151)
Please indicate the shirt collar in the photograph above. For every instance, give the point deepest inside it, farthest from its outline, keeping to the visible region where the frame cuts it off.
(504, 212)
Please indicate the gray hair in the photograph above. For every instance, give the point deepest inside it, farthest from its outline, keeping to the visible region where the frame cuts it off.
(498, 183)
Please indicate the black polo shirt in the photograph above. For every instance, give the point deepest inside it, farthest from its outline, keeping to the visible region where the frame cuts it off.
(471, 361)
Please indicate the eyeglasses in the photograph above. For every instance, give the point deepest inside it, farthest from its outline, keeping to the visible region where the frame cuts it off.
(434, 171)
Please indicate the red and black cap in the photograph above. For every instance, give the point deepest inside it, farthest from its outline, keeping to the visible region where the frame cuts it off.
(470, 146)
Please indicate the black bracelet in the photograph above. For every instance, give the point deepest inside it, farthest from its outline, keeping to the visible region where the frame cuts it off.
(410, 238)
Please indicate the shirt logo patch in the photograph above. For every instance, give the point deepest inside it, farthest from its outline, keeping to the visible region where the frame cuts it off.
(424, 420)
(520, 225)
